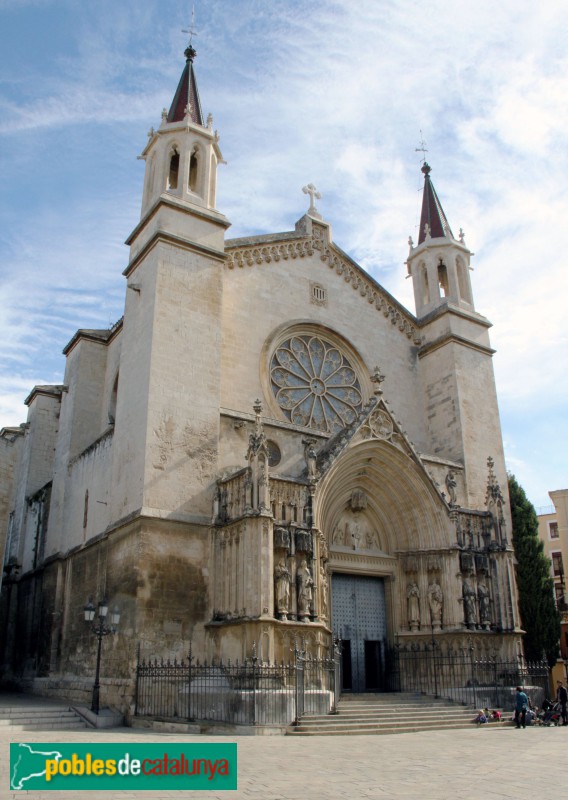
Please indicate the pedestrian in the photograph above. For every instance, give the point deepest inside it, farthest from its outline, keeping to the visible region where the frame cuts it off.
(521, 706)
(562, 698)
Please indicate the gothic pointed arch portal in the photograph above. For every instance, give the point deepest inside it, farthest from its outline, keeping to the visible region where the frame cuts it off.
(377, 508)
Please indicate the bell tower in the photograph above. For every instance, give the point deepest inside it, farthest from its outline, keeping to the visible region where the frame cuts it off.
(439, 264)
(455, 356)
(183, 154)
(170, 370)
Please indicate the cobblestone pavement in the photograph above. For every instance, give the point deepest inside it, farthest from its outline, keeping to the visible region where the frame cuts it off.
(463, 764)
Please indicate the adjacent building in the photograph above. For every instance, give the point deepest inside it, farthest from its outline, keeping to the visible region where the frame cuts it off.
(553, 532)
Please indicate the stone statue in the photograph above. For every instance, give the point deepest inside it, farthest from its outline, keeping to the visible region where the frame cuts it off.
(469, 598)
(435, 601)
(310, 457)
(413, 597)
(354, 530)
(305, 591)
(282, 578)
(483, 599)
(451, 484)
(338, 536)
(324, 593)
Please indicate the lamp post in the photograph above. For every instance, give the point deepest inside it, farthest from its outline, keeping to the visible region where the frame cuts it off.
(100, 628)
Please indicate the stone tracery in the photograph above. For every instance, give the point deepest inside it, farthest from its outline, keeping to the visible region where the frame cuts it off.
(314, 384)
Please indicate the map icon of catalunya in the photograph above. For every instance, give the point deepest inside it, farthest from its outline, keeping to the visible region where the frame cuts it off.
(30, 765)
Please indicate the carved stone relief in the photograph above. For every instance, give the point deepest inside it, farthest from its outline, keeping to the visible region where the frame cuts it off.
(355, 530)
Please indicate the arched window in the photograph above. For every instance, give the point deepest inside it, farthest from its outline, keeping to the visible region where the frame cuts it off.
(193, 180)
(173, 174)
(443, 279)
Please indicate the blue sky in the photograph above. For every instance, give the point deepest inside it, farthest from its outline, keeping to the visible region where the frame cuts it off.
(335, 93)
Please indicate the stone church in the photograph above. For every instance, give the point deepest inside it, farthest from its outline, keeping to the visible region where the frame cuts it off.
(266, 445)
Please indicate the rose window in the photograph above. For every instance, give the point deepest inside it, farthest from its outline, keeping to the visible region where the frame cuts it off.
(314, 384)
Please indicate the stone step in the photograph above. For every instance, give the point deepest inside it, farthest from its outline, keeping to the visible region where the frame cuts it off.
(30, 712)
(49, 726)
(455, 717)
(25, 718)
(384, 714)
(377, 730)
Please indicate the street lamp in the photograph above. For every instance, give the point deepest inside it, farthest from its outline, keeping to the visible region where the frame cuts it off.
(100, 628)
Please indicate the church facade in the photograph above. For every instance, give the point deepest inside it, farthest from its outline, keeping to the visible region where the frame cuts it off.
(267, 445)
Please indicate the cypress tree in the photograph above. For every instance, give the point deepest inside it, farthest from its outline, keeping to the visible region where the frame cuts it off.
(539, 615)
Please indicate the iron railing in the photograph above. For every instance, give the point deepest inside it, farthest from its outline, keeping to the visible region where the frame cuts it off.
(462, 676)
(252, 692)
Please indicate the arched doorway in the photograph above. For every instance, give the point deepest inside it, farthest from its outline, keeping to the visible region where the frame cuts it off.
(375, 505)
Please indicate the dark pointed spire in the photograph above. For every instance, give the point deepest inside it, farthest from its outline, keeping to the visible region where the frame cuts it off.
(432, 212)
(186, 92)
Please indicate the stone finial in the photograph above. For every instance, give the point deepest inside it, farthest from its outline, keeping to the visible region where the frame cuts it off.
(210, 122)
(377, 378)
(151, 132)
(427, 234)
(164, 115)
(462, 236)
(410, 242)
(187, 110)
(257, 407)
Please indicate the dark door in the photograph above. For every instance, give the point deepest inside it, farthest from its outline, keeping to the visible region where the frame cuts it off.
(359, 620)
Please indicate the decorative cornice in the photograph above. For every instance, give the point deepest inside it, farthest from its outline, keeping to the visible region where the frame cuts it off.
(452, 338)
(353, 274)
(178, 241)
(49, 391)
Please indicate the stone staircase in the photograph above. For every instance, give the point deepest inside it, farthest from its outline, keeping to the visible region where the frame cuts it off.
(387, 714)
(40, 718)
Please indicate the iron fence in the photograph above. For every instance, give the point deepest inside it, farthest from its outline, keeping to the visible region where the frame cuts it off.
(462, 676)
(252, 692)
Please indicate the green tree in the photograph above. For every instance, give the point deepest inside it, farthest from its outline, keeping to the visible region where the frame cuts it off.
(539, 615)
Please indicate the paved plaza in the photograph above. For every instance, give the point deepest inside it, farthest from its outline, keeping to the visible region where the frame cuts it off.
(463, 764)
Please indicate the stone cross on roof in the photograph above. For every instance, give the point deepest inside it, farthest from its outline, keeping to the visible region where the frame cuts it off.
(314, 195)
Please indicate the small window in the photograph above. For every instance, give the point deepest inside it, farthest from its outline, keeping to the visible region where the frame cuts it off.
(86, 509)
(174, 170)
(274, 454)
(557, 565)
(553, 530)
(318, 294)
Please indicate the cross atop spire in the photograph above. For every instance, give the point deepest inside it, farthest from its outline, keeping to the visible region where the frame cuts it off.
(422, 149)
(433, 221)
(186, 101)
(190, 53)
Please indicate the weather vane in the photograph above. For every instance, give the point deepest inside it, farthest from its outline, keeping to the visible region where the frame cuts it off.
(191, 30)
(422, 149)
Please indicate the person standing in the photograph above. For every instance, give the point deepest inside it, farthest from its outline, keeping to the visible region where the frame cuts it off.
(562, 698)
(521, 705)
